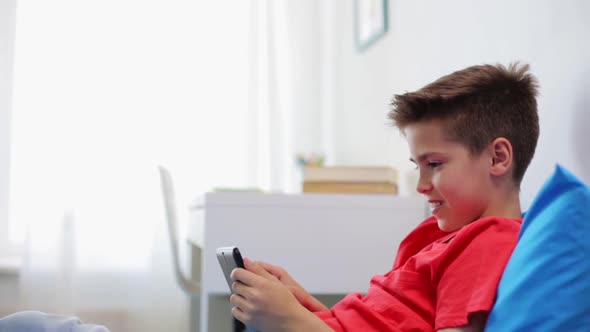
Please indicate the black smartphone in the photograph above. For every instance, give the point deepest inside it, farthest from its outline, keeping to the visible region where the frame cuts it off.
(229, 258)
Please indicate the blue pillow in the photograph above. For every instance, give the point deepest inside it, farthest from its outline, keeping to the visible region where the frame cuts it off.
(546, 284)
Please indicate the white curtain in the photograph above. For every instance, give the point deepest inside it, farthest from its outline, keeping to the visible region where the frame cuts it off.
(104, 92)
(288, 82)
(272, 94)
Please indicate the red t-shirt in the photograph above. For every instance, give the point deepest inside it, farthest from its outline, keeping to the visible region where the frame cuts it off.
(438, 280)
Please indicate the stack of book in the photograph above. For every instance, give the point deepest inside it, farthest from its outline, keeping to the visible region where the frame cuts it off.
(350, 180)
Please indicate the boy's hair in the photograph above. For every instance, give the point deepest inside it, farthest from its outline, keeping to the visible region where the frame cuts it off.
(477, 105)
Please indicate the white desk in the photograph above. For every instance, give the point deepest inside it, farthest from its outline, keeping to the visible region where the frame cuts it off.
(313, 236)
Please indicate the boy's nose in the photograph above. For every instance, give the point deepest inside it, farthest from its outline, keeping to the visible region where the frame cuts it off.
(423, 187)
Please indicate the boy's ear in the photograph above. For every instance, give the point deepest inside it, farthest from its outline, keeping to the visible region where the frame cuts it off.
(501, 156)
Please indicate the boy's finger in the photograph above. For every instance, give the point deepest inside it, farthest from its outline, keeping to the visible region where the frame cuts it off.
(259, 269)
(246, 277)
(273, 269)
(240, 315)
(247, 262)
(240, 288)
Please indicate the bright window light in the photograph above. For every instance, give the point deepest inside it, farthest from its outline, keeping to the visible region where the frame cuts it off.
(107, 90)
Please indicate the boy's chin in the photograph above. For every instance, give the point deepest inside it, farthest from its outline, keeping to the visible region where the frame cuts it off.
(446, 225)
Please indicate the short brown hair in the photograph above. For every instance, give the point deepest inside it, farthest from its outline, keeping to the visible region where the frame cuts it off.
(479, 104)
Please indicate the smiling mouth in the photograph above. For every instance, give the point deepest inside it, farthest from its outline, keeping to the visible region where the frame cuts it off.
(435, 205)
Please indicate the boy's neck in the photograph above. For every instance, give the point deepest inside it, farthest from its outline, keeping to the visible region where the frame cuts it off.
(506, 205)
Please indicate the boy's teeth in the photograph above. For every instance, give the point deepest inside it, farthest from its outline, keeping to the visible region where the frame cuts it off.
(434, 205)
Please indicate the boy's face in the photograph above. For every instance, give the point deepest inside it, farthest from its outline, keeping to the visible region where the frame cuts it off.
(457, 183)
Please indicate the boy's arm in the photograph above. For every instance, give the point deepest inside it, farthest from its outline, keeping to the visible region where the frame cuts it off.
(476, 323)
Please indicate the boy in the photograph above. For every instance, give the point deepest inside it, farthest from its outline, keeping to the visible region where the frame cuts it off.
(471, 134)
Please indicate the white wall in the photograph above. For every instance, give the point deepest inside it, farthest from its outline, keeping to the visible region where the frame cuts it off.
(427, 39)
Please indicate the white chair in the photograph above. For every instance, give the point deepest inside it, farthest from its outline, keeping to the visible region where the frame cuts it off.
(191, 286)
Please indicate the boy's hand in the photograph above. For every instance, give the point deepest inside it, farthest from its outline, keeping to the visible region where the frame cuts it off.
(306, 300)
(261, 301)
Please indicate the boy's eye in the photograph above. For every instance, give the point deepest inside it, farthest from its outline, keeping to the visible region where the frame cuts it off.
(434, 164)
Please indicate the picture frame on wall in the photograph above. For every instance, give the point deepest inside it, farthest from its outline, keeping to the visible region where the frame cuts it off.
(370, 22)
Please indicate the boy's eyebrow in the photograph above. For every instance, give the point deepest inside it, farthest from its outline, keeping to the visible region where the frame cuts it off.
(421, 157)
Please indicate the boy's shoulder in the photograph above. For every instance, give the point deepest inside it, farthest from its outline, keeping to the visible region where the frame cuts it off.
(479, 232)
(429, 230)
(493, 224)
